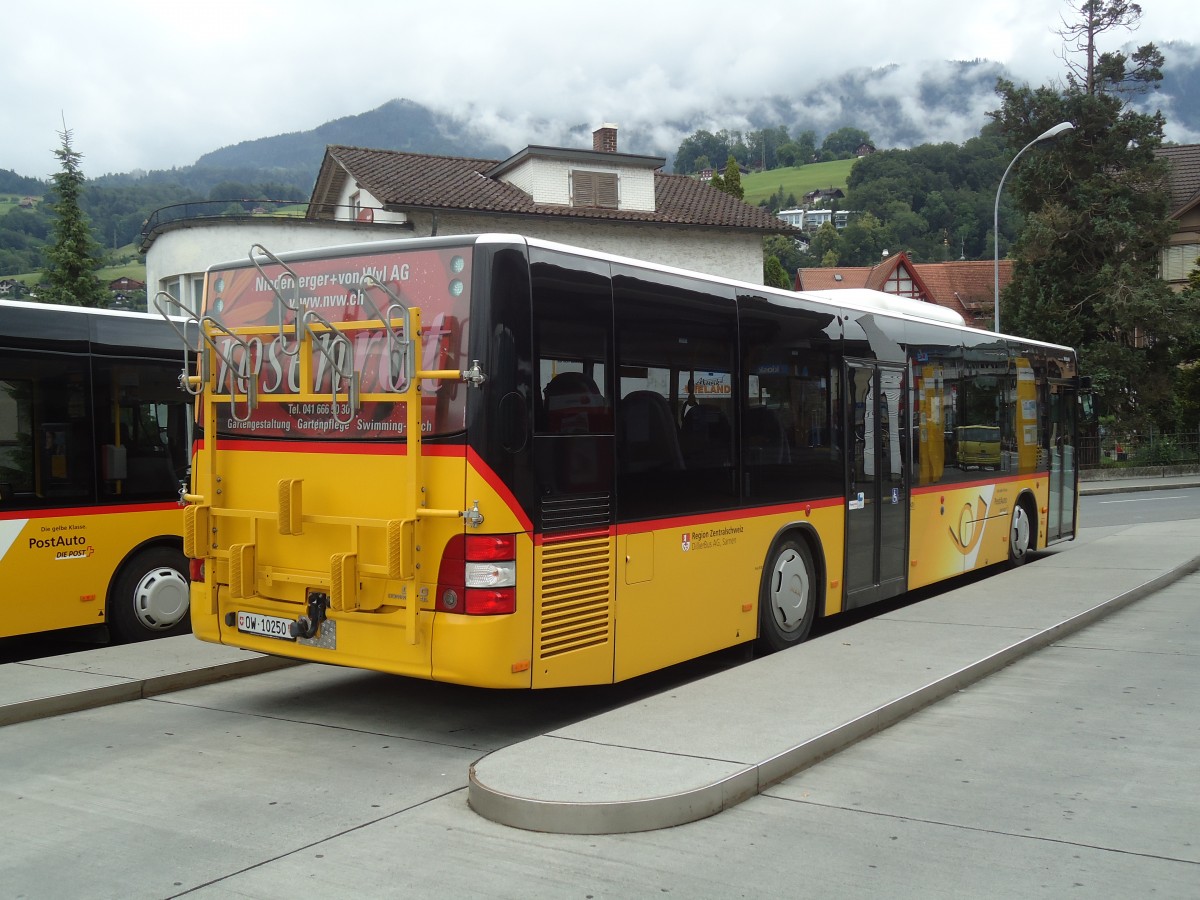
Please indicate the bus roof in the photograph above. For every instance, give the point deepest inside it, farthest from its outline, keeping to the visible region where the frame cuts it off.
(39, 324)
(860, 299)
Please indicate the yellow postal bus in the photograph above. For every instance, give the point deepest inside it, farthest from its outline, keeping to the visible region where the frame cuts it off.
(499, 461)
(94, 446)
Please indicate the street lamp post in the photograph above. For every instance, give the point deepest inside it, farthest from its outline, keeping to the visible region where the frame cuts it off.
(1045, 135)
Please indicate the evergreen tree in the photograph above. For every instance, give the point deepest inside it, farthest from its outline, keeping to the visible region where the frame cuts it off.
(774, 274)
(1087, 262)
(74, 256)
(733, 179)
(731, 182)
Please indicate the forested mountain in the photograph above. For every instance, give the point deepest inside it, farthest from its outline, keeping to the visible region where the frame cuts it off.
(397, 125)
(905, 105)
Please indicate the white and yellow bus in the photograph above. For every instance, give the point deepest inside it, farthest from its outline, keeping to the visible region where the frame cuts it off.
(504, 462)
(94, 446)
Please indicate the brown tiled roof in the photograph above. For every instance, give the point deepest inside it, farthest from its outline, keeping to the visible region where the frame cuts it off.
(965, 286)
(421, 181)
(832, 279)
(1184, 183)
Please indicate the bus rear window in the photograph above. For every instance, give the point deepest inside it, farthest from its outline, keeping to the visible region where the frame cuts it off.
(340, 293)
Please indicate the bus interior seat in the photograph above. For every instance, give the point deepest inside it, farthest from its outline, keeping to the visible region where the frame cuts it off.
(575, 405)
(705, 438)
(765, 440)
(648, 439)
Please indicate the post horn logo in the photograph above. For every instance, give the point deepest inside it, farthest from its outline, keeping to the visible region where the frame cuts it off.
(970, 526)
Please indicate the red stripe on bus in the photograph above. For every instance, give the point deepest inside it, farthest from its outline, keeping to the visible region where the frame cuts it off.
(947, 486)
(357, 448)
(379, 448)
(502, 490)
(88, 510)
(753, 512)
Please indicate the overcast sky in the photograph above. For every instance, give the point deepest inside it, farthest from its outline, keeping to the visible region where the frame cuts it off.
(155, 84)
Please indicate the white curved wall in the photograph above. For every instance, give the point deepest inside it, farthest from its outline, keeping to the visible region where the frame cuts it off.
(178, 258)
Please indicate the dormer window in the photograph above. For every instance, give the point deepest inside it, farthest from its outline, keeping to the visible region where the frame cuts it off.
(597, 190)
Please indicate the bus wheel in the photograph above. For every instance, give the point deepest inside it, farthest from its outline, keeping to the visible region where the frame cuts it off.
(788, 600)
(1020, 535)
(149, 599)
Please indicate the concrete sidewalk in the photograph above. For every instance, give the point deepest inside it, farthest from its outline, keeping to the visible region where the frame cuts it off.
(700, 748)
(37, 688)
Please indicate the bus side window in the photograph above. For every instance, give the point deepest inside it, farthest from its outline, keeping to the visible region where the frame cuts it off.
(16, 436)
(676, 345)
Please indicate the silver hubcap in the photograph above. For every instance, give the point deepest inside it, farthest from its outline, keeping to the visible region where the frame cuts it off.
(789, 590)
(1019, 540)
(161, 599)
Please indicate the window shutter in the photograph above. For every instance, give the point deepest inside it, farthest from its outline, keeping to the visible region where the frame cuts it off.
(594, 189)
(606, 190)
(584, 191)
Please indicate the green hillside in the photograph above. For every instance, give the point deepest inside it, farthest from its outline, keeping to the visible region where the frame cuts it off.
(798, 180)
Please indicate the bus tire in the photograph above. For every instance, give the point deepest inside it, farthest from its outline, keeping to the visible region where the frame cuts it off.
(149, 598)
(1021, 534)
(788, 598)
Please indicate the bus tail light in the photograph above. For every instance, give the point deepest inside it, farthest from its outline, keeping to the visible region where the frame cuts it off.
(196, 570)
(491, 601)
(478, 575)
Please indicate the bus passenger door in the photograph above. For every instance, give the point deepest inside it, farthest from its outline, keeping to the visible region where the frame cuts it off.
(1064, 400)
(877, 489)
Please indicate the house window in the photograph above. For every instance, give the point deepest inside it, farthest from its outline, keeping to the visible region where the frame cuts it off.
(901, 284)
(1178, 261)
(196, 297)
(594, 189)
(355, 205)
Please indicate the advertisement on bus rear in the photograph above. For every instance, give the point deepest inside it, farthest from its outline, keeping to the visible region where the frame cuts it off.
(351, 295)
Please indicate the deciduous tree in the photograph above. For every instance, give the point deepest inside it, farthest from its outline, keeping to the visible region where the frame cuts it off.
(1095, 204)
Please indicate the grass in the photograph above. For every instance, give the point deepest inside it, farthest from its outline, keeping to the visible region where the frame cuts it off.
(134, 270)
(129, 265)
(798, 180)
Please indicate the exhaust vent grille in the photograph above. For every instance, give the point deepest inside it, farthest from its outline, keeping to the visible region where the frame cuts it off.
(576, 594)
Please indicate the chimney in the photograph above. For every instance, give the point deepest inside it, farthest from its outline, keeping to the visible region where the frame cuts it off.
(604, 139)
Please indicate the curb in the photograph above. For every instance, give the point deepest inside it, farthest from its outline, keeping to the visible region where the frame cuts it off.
(653, 813)
(137, 689)
(1114, 486)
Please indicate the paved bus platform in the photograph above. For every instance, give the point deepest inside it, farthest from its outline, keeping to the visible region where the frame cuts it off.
(704, 746)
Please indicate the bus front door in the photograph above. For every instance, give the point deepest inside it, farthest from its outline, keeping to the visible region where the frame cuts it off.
(877, 488)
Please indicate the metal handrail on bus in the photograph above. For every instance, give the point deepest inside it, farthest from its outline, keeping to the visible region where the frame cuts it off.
(241, 374)
(397, 343)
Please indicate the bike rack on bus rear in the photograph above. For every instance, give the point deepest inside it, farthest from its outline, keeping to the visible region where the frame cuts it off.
(343, 368)
(241, 373)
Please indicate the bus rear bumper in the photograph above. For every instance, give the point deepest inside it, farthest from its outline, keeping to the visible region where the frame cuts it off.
(451, 648)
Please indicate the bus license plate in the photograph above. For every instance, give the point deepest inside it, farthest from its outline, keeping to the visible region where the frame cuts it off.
(267, 626)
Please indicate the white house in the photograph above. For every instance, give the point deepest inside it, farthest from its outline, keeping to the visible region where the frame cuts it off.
(599, 198)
